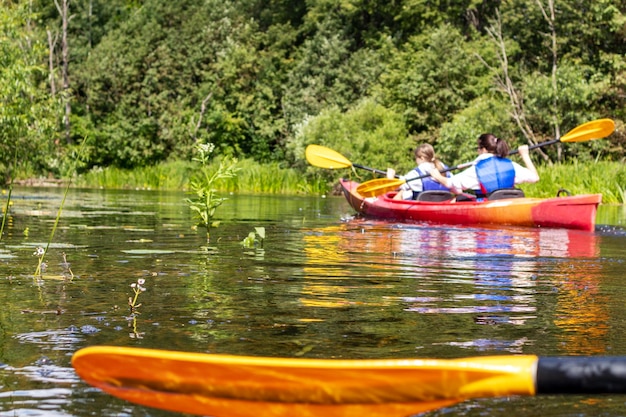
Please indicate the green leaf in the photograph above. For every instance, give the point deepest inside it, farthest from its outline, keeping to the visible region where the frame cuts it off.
(248, 241)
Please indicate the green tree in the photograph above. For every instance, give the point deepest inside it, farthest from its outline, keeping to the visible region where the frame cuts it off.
(175, 73)
(327, 72)
(590, 34)
(419, 16)
(432, 77)
(368, 134)
(28, 115)
(551, 84)
(143, 76)
(457, 138)
(150, 79)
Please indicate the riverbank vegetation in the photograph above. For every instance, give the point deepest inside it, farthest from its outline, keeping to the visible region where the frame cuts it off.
(607, 178)
(252, 177)
(145, 82)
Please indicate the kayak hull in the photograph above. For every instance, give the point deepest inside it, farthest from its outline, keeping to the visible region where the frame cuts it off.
(570, 212)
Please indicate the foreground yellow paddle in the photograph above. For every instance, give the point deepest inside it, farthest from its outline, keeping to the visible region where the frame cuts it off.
(595, 129)
(240, 386)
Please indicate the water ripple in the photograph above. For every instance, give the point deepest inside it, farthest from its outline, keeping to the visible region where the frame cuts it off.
(63, 339)
(48, 373)
(36, 402)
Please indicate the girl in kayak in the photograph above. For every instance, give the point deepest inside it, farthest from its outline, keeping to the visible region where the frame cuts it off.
(492, 170)
(426, 161)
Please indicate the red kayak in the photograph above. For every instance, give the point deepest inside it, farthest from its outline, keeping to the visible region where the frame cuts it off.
(570, 212)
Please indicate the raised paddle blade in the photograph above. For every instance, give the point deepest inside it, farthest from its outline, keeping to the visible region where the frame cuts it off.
(595, 129)
(378, 186)
(239, 386)
(323, 157)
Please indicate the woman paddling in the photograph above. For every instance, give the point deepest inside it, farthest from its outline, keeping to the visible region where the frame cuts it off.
(426, 161)
(491, 171)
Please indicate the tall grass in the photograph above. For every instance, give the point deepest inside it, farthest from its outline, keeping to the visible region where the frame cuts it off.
(606, 178)
(167, 176)
(252, 178)
(271, 179)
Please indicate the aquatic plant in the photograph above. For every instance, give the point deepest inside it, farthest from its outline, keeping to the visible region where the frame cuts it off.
(77, 159)
(67, 270)
(5, 211)
(204, 185)
(40, 253)
(251, 239)
(5, 214)
(133, 305)
(138, 288)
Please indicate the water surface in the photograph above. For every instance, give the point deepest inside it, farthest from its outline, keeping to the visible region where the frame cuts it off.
(322, 285)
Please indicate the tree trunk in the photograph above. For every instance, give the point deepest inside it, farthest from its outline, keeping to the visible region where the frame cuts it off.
(506, 84)
(51, 44)
(550, 19)
(65, 56)
(194, 136)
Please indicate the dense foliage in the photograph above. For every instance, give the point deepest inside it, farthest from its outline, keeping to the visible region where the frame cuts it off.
(147, 80)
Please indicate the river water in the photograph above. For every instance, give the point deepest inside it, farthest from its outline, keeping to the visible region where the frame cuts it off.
(321, 285)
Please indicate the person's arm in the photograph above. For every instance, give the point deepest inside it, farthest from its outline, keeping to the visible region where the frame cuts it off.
(530, 176)
(457, 183)
(404, 192)
(438, 176)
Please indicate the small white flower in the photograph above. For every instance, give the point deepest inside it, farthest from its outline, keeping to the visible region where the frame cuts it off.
(39, 251)
(206, 148)
(133, 285)
(141, 281)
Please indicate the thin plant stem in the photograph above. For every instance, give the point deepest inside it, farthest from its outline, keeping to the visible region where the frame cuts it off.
(134, 301)
(54, 228)
(56, 221)
(6, 208)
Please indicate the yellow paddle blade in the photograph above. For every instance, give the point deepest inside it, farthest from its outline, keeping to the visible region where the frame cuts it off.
(595, 129)
(378, 186)
(323, 157)
(240, 386)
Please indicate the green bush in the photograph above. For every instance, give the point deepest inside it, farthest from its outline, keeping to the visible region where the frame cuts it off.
(457, 140)
(368, 134)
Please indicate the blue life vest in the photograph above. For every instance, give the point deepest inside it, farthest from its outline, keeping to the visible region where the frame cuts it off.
(428, 183)
(495, 173)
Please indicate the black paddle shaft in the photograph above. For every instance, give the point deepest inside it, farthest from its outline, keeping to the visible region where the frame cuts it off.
(460, 166)
(581, 375)
(538, 145)
(378, 171)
